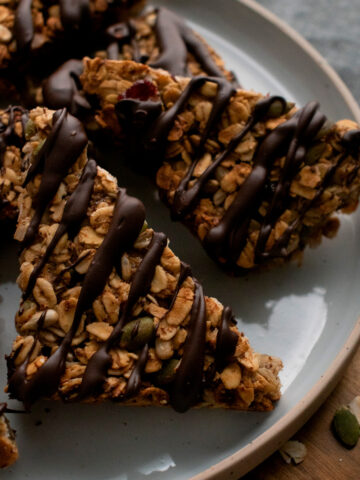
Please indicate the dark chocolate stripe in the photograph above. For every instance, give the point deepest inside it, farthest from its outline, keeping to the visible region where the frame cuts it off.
(118, 34)
(173, 52)
(96, 370)
(19, 386)
(351, 141)
(60, 151)
(74, 212)
(61, 89)
(74, 13)
(185, 197)
(126, 224)
(175, 39)
(228, 237)
(156, 138)
(23, 26)
(134, 382)
(187, 386)
(310, 121)
(185, 271)
(226, 339)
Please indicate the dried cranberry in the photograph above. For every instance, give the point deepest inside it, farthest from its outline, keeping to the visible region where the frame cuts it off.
(141, 90)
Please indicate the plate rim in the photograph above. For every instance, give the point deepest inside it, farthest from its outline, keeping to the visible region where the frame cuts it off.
(268, 442)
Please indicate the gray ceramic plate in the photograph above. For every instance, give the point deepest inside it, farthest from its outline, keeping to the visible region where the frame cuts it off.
(306, 315)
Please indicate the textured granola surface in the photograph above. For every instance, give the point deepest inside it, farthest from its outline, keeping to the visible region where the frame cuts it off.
(162, 317)
(48, 23)
(157, 37)
(8, 449)
(325, 181)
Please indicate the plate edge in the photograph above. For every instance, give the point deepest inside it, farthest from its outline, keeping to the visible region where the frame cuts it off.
(297, 38)
(267, 443)
(271, 440)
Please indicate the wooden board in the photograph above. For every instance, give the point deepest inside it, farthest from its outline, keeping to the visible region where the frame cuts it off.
(326, 459)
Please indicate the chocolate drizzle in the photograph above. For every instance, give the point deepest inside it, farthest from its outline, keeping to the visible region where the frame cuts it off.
(60, 150)
(227, 239)
(61, 89)
(120, 34)
(291, 139)
(226, 340)
(309, 123)
(185, 197)
(19, 386)
(62, 147)
(351, 142)
(126, 225)
(23, 27)
(176, 39)
(146, 117)
(186, 389)
(134, 382)
(74, 212)
(75, 14)
(95, 373)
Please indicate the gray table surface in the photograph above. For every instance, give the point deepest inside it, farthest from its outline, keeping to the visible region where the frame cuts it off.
(331, 26)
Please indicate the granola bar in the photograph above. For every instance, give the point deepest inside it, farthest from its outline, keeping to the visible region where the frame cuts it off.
(253, 177)
(12, 139)
(8, 449)
(37, 36)
(108, 311)
(158, 37)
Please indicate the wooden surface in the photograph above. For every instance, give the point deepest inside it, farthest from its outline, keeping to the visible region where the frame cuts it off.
(326, 459)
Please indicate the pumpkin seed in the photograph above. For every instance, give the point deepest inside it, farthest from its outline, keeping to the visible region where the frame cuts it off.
(137, 333)
(167, 373)
(346, 427)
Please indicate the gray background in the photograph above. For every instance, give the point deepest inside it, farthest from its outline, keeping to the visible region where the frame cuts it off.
(331, 26)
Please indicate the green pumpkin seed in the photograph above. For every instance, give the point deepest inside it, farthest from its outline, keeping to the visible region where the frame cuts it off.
(346, 427)
(137, 333)
(325, 129)
(37, 149)
(167, 373)
(144, 227)
(314, 153)
(276, 109)
(30, 129)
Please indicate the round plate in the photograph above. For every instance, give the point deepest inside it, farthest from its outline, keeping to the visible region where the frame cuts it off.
(306, 315)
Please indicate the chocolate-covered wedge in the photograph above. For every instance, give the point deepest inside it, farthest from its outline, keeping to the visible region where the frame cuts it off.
(38, 36)
(108, 311)
(252, 176)
(158, 37)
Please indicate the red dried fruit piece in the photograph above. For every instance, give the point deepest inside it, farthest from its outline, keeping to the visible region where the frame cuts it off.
(141, 90)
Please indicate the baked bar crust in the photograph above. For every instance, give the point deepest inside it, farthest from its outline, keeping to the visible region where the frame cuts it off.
(158, 37)
(8, 449)
(253, 177)
(108, 310)
(31, 30)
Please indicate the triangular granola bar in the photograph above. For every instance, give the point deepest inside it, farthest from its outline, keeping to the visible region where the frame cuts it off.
(108, 311)
(255, 179)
